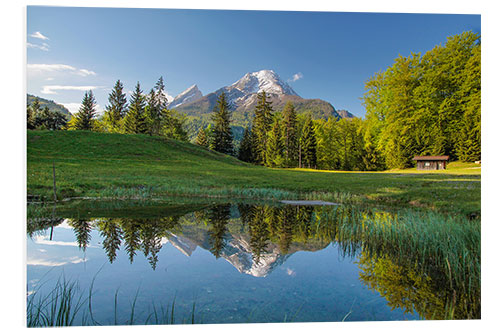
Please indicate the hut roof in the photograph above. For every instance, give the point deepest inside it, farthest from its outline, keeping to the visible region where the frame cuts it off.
(431, 158)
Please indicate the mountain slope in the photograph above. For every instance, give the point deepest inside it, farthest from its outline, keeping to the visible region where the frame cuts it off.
(53, 106)
(345, 114)
(242, 96)
(191, 94)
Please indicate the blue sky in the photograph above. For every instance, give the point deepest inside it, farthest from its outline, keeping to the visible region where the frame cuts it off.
(330, 54)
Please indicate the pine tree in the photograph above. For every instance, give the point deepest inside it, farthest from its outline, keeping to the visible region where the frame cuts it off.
(290, 134)
(152, 114)
(275, 146)
(245, 152)
(308, 144)
(261, 125)
(172, 125)
(135, 121)
(161, 98)
(117, 108)
(222, 136)
(32, 112)
(85, 117)
(202, 138)
(157, 104)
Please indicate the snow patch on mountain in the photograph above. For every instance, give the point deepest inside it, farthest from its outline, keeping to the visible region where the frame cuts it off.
(263, 80)
(191, 94)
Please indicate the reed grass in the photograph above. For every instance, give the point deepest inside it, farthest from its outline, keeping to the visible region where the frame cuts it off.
(444, 246)
(67, 305)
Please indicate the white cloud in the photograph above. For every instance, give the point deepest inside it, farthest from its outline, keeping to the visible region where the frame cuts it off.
(75, 107)
(85, 72)
(296, 77)
(43, 46)
(44, 240)
(39, 35)
(52, 263)
(51, 89)
(52, 68)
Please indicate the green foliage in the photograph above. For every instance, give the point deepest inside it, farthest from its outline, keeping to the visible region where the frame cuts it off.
(307, 145)
(290, 135)
(245, 153)
(44, 118)
(221, 135)
(154, 112)
(117, 108)
(84, 119)
(53, 106)
(419, 105)
(172, 125)
(261, 125)
(135, 120)
(202, 138)
(275, 148)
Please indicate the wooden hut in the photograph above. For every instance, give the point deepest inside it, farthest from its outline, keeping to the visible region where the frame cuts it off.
(431, 162)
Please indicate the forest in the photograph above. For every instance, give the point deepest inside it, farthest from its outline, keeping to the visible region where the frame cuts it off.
(426, 104)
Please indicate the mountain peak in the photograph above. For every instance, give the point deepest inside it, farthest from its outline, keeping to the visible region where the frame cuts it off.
(264, 80)
(191, 94)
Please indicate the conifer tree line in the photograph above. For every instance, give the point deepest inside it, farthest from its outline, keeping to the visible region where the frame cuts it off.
(422, 105)
(426, 104)
(43, 118)
(288, 140)
(142, 113)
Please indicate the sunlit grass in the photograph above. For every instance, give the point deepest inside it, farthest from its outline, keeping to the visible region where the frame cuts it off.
(104, 165)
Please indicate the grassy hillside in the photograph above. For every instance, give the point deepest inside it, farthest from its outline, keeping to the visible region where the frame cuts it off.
(116, 165)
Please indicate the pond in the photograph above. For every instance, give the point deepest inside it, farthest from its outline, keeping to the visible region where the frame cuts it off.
(213, 262)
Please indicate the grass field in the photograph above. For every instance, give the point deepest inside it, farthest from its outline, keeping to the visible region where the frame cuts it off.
(100, 165)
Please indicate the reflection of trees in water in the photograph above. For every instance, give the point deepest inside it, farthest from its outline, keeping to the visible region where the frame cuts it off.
(409, 276)
(112, 235)
(408, 288)
(82, 229)
(137, 235)
(258, 230)
(218, 218)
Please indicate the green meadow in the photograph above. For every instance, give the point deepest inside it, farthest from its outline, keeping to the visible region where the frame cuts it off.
(118, 166)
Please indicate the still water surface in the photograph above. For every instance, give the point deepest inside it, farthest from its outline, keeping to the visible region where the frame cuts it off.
(235, 263)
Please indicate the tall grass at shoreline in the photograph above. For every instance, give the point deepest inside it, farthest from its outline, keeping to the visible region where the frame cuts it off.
(67, 305)
(446, 247)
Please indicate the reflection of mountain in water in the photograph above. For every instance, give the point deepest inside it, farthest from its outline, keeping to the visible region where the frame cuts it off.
(238, 252)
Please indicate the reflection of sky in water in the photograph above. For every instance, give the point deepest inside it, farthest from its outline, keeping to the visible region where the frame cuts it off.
(316, 285)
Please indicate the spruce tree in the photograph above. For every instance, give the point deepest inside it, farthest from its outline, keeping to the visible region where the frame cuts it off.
(275, 146)
(245, 153)
(290, 134)
(202, 138)
(222, 136)
(32, 112)
(135, 121)
(116, 109)
(152, 114)
(157, 104)
(84, 119)
(308, 144)
(172, 125)
(161, 98)
(261, 125)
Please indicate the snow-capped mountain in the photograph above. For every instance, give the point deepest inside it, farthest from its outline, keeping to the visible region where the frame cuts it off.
(264, 80)
(242, 98)
(238, 251)
(191, 94)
